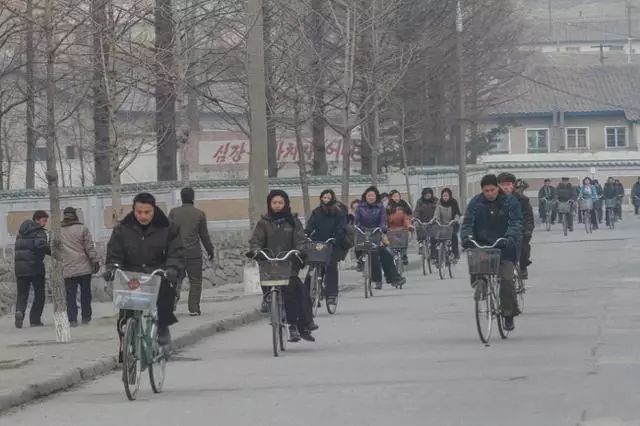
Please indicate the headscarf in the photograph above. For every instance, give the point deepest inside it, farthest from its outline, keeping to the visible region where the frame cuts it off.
(426, 191)
(285, 213)
(451, 202)
(332, 207)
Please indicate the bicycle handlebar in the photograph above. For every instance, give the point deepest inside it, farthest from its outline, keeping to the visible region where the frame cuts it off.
(487, 247)
(371, 232)
(158, 272)
(330, 240)
(279, 258)
(437, 222)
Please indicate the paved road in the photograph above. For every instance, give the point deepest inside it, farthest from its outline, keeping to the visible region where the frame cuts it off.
(412, 357)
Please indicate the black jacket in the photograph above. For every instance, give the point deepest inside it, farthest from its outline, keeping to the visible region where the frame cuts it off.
(610, 191)
(425, 209)
(138, 249)
(326, 223)
(566, 192)
(31, 246)
(278, 236)
(485, 221)
(528, 220)
(548, 192)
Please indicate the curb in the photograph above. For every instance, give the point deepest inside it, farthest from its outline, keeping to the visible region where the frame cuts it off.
(107, 364)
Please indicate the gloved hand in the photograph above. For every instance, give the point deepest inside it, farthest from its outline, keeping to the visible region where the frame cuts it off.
(506, 244)
(250, 254)
(96, 267)
(109, 274)
(467, 243)
(171, 274)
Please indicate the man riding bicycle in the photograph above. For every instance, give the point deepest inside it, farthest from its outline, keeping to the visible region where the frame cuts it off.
(567, 193)
(492, 215)
(548, 194)
(506, 181)
(610, 192)
(145, 240)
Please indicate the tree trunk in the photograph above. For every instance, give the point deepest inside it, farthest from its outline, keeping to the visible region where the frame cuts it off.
(403, 152)
(272, 137)
(302, 164)
(61, 321)
(165, 93)
(316, 35)
(101, 101)
(116, 193)
(375, 147)
(1, 147)
(31, 102)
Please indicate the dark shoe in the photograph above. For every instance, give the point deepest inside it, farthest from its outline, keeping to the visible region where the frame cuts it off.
(73, 324)
(164, 336)
(360, 266)
(399, 282)
(524, 274)
(294, 334)
(306, 335)
(378, 286)
(508, 324)
(86, 321)
(37, 324)
(195, 313)
(19, 319)
(312, 326)
(332, 300)
(405, 261)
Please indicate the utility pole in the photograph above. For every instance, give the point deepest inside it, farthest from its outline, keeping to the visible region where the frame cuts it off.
(462, 148)
(550, 20)
(601, 46)
(258, 163)
(629, 33)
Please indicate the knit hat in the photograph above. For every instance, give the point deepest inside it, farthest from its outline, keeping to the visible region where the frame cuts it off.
(70, 214)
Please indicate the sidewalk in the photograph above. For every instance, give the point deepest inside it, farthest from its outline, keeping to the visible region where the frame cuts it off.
(33, 365)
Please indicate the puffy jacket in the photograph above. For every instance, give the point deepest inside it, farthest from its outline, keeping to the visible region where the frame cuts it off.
(397, 216)
(566, 192)
(445, 214)
(138, 249)
(610, 191)
(327, 222)
(528, 220)
(78, 251)
(425, 209)
(278, 236)
(485, 221)
(371, 216)
(31, 246)
(193, 229)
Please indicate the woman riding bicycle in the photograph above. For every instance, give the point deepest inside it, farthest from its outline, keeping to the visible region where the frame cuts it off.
(447, 210)
(277, 232)
(328, 221)
(370, 215)
(399, 217)
(588, 192)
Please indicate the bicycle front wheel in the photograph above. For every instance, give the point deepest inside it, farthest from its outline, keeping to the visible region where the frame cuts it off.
(276, 336)
(284, 331)
(565, 224)
(158, 365)
(441, 261)
(314, 292)
(484, 319)
(131, 363)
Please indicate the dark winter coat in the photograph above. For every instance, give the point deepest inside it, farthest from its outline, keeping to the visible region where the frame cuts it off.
(193, 228)
(610, 191)
(485, 221)
(371, 216)
(327, 222)
(635, 192)
(620, 190)
(566, 192)
(31, 246)
(143, 249)
(278, 236)
(425, 209)
(528, 220)
(547, 192)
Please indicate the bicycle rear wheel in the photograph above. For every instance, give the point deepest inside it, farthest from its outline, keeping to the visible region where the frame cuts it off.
(565, 224)
(520, 290)
(314, 292)
(441, 260)
(284, 331)
(484, 319)
(131, 363)
(158, 365)
(276, 336)
(451, 264)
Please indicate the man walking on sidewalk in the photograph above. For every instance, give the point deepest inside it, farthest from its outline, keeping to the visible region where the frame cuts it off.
(193, 229)
(79, 261)
(31, 246)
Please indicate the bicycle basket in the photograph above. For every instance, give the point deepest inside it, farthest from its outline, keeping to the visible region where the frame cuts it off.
(483, 261)
(398, 239)
(318, 252)
(585, 204)
(610, 203)
(365, 241)
(564, 207)
(135, 292)
(423, 231)
(275, 274)
(441, 232)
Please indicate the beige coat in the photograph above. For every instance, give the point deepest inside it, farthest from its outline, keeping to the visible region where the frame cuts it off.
(78, 251)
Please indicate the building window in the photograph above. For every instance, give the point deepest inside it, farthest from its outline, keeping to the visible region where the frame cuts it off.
(42, 153)
(616, 137)
(577, 138)
(71, 152)
(537, 140)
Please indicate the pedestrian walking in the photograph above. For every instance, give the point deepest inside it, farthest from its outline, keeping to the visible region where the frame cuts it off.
(32, 244)
(79, 262)
(635, 194)
(193, 230)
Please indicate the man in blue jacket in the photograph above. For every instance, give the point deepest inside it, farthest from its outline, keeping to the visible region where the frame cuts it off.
(492, 215)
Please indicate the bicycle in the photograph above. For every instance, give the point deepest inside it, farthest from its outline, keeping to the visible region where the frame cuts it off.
(318, 255)
(441, 235)
(423, 231)
(137, 294)
(585, 206)
(521, 289)
(565, 208)
(548, 206)
(484, 270)
(367, 242)
(611, 215)
(275, 273)
(398, 244)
